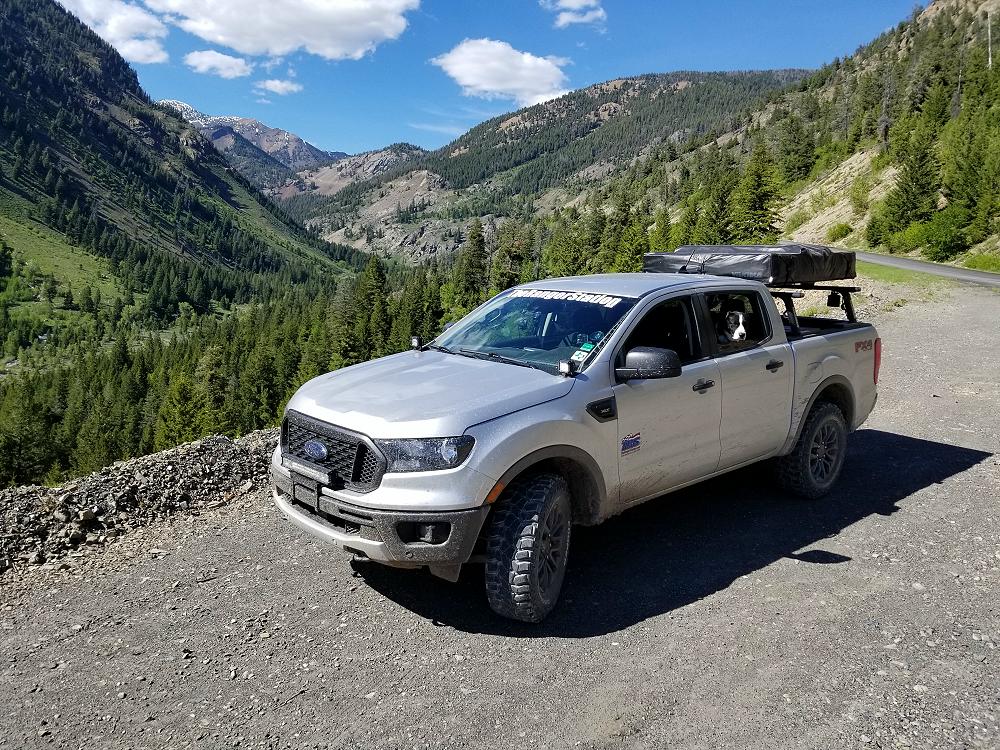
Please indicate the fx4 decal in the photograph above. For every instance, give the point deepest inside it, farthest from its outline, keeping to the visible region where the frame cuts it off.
(863, 346)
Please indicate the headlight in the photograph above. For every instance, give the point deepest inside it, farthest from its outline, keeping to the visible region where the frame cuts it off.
(426, 454)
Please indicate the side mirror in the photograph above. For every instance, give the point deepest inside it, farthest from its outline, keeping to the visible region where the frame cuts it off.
(649, 363)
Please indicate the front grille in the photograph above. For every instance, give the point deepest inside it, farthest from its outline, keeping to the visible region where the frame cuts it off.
(351, 460)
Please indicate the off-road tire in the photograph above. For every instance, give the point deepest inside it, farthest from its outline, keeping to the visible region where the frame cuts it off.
(813, 466)
(523, 577)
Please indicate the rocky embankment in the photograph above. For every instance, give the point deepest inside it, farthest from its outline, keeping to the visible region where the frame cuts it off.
(41, 525)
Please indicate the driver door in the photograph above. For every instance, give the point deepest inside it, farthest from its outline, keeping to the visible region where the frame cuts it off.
(669, 428)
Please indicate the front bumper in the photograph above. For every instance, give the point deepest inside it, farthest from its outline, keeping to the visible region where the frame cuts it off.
(386, 536)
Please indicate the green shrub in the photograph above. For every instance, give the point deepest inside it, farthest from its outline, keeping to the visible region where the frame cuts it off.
(984, 262)
(945, 234)
(859, 193)
(828, 156)
(877, 230)
(838, 231)
(796, 219)
(909, 239)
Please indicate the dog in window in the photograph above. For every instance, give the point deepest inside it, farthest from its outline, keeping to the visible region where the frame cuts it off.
(731, 324)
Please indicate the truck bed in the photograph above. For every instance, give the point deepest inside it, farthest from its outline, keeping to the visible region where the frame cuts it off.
(813, 326)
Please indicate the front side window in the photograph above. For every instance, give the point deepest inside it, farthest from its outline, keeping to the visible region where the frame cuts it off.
(537, 327)
(739, 320)
(668, 325)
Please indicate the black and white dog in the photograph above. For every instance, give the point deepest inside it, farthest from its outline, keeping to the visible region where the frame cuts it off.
(732, 327)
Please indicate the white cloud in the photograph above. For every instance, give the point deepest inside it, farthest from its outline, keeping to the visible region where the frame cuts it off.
(263, 100)
(569, 12)
(333, 29)
(277, 86)
(216, 63)
(443, 128)
(136, 33)
(495, 70)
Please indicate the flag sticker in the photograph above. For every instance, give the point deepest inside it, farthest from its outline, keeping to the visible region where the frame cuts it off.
(631, 443)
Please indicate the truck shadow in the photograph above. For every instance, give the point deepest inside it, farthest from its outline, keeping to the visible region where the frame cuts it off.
(685, 546)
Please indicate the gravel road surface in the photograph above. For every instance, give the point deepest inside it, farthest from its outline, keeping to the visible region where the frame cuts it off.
(727, 615)
(970, 275)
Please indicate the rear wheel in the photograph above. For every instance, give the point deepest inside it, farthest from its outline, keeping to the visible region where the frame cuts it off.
(527, 548)
(814, 465)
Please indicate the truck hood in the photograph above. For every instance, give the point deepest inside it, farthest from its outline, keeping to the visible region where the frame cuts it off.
(424, 394)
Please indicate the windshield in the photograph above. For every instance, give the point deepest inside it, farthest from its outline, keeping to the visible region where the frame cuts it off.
(537, 327)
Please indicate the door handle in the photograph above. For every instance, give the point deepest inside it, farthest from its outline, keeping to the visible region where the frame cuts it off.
(773, 365)
(702, 385)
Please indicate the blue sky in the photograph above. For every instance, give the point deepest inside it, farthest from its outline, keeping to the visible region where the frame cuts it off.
(353, 75)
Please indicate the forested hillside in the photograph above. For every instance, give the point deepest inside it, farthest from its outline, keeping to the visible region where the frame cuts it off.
(421, 207)
(901, 138)
(117, 219)
(104, 194)
(899, 143)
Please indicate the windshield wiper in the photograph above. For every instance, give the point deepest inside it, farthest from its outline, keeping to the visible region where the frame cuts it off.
(439, 348)
(498, 358)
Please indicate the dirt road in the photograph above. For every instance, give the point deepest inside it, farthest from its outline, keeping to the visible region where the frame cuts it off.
(728, 615)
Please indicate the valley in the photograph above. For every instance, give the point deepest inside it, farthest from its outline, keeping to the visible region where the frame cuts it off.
(167, 274)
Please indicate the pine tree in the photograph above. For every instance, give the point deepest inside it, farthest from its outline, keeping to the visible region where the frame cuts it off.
(470, 270)
(713, 225)
(796, 150)
(512, 246)
(659, 239)
(611, 237)
(682, 231)
(634, 244)
(562, 254)
(915, 196)
(754, 203)
(371, 326)
(180, 414)
(210, 383)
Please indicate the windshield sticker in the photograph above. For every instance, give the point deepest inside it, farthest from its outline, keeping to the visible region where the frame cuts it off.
(586, 347)
(631, 443)
(580, 355)
(593, 299)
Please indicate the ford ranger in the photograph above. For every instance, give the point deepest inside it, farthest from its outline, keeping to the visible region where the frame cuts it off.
(564, 402)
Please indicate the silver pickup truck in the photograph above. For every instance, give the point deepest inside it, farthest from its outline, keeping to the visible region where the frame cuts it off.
(565, 402)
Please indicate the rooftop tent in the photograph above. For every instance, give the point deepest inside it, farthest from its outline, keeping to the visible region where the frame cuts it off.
(771, 264)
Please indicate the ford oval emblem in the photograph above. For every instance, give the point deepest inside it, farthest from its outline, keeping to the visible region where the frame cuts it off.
(316, 450)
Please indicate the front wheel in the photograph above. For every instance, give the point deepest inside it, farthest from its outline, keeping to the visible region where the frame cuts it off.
(527, 548)
(814, 465)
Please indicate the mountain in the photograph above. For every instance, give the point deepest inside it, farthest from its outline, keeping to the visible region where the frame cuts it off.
(332, 178)
(420, 207)
(103, 192)
(287, 148)
(260, 168)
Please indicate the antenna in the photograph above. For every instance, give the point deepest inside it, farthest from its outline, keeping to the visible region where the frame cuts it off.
(694, 249)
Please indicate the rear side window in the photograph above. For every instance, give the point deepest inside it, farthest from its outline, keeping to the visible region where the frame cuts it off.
(739, 320)
(668, 325)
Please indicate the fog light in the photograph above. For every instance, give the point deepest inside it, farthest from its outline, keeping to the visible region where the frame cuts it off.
(435, 532)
